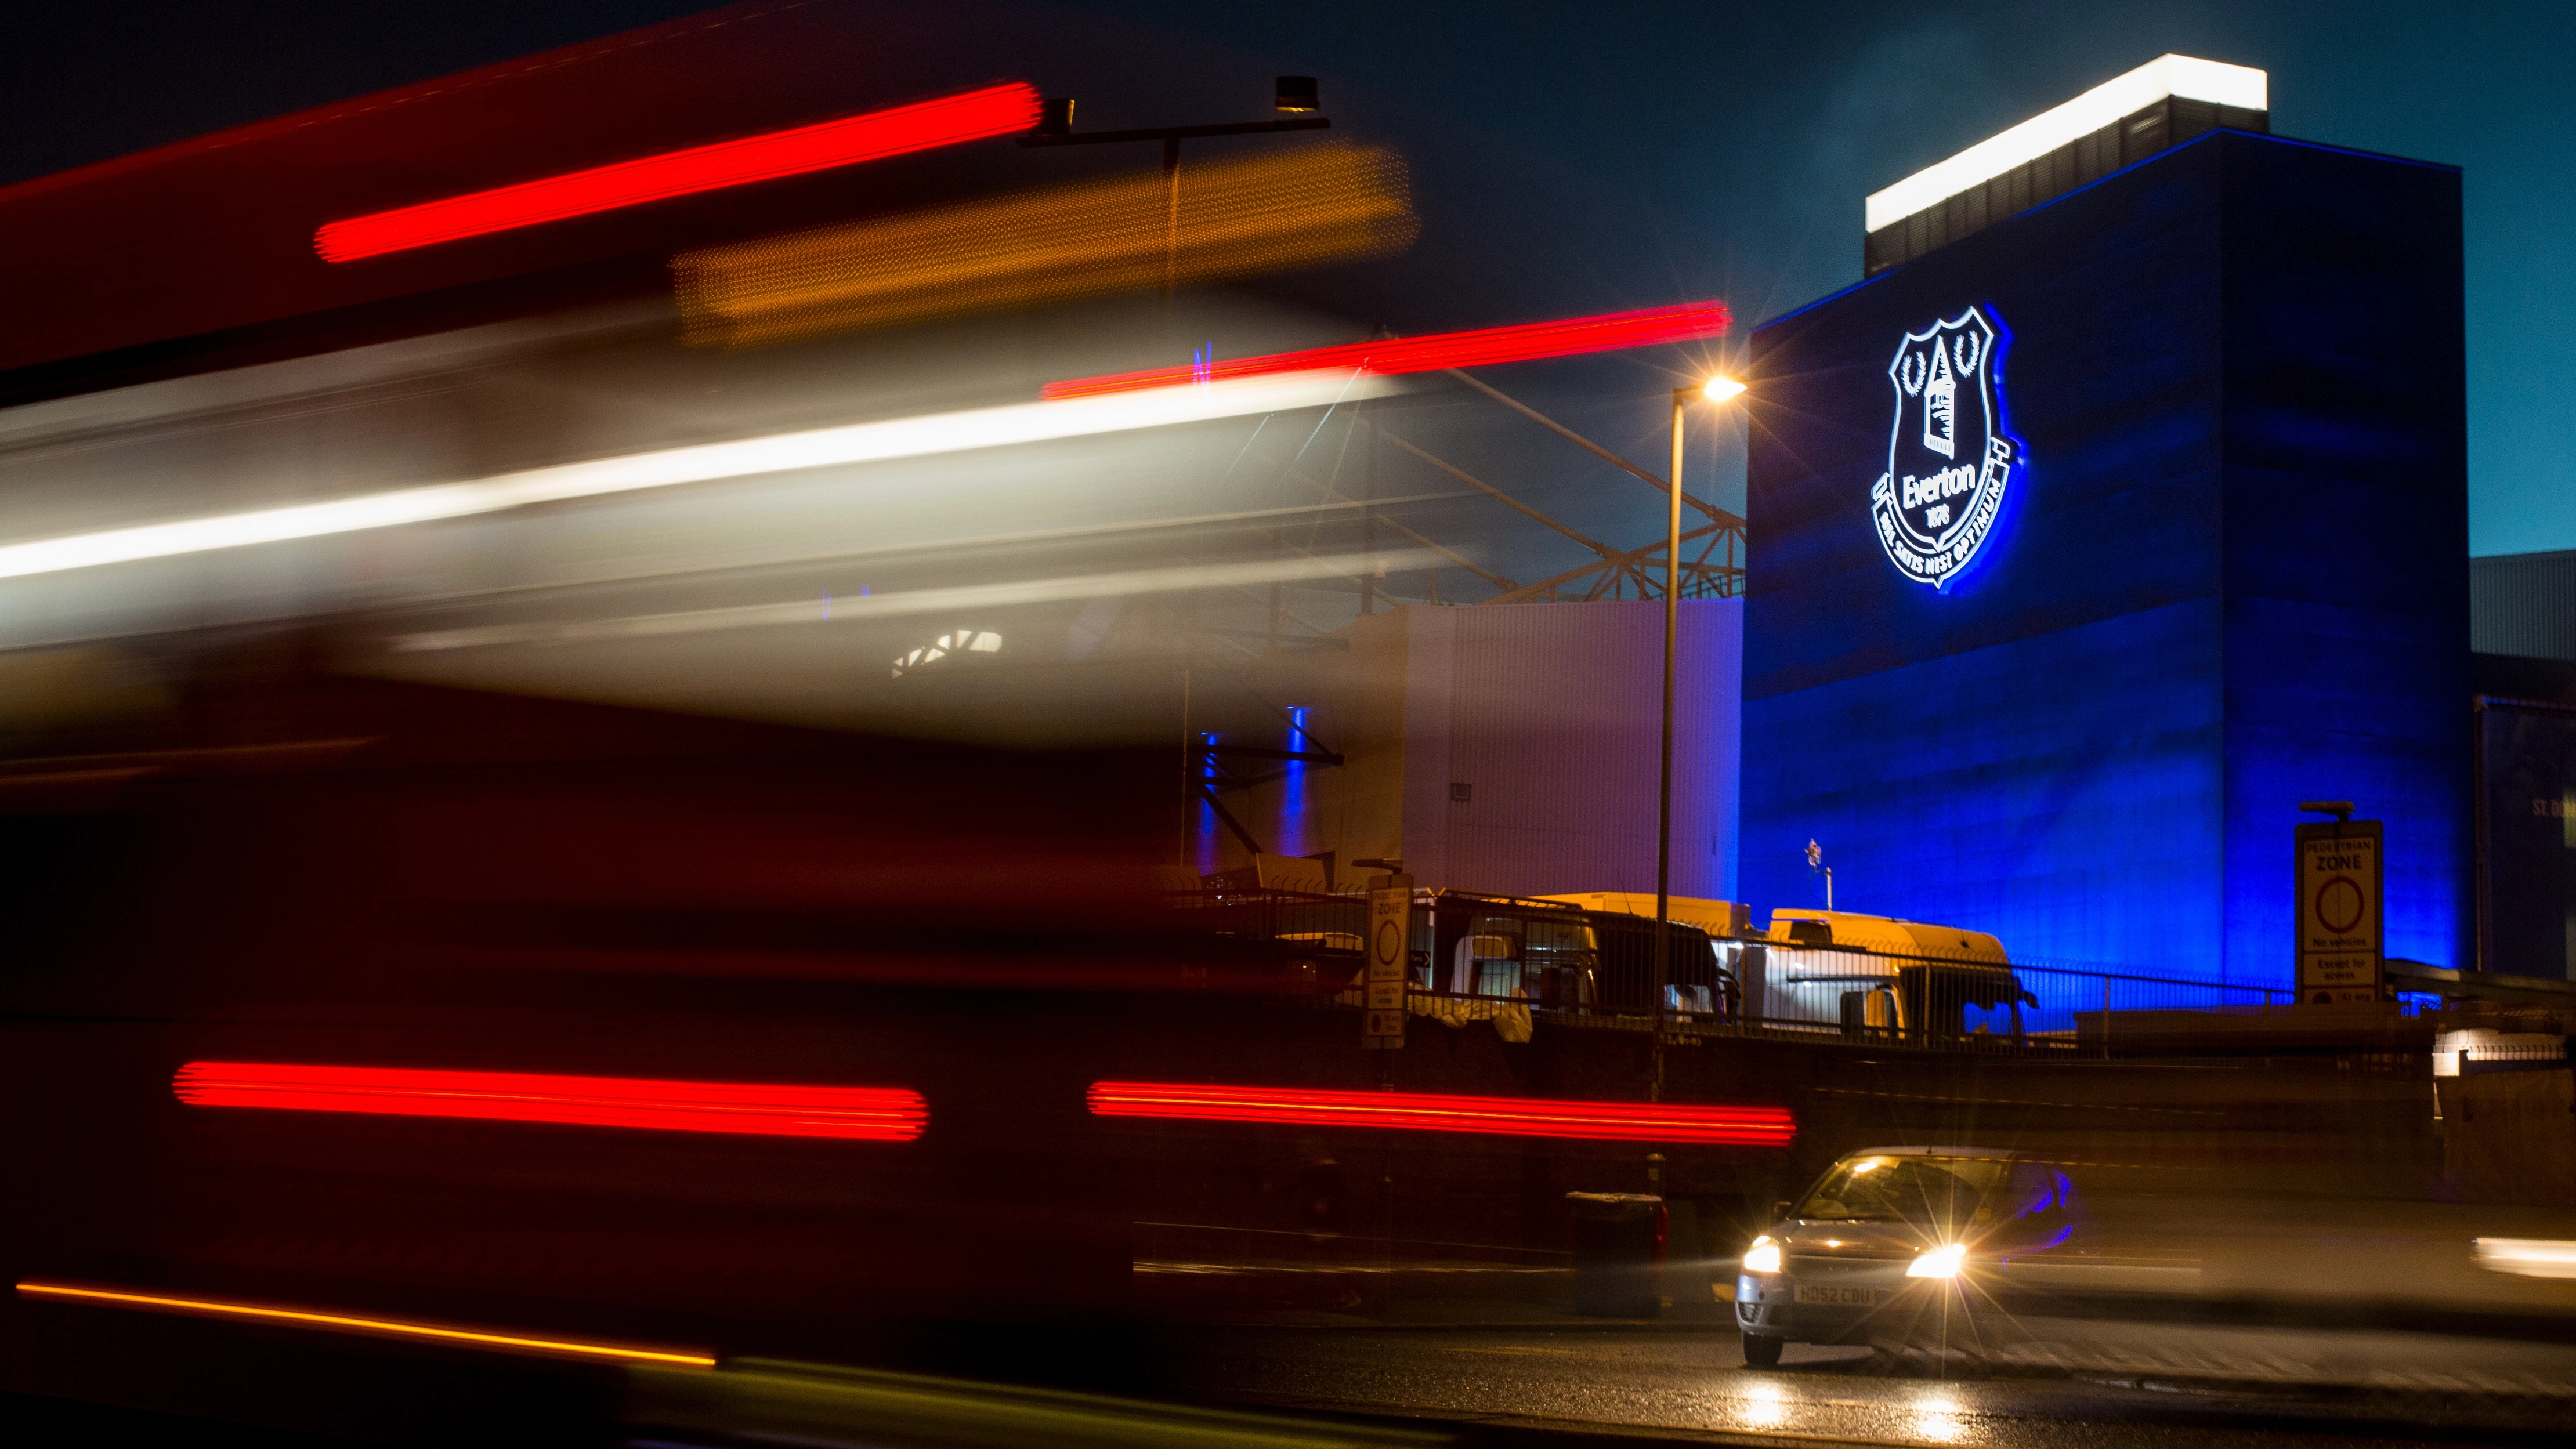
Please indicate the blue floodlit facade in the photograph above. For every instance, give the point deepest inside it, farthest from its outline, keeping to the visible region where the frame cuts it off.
(2224, 569)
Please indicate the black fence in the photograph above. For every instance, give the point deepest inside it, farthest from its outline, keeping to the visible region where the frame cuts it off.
(1961, 1002)
(1545, 955)
(1523, 964)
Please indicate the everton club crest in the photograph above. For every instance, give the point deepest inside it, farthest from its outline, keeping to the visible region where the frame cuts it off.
(1948, 461)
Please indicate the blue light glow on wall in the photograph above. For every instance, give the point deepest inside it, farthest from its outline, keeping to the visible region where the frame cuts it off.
(1294, 838)
(2229, 573)
(1209, 853)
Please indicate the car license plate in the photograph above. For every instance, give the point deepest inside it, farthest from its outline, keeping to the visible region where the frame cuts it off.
(1838, 1297)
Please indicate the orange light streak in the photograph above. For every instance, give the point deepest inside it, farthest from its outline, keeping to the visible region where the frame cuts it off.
(351, 1323)
(1236, 217)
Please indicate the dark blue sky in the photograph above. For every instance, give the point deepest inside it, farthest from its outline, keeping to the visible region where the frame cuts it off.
(1608, 154)
(1744, 137)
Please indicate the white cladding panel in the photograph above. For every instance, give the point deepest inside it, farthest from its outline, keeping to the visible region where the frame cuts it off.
(1548, 715)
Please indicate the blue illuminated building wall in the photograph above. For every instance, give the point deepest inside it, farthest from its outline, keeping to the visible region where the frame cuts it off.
(2230, 572)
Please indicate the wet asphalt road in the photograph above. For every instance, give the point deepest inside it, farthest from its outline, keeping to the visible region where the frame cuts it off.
(2072, 1385)
(2100, 1386)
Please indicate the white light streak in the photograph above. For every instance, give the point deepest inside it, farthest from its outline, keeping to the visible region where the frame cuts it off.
(962, 598)
(2526, 1257)
(2167, 75)
(876, 442)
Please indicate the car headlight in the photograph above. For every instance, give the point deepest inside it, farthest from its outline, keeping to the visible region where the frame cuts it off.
(1762, 1257)
(1942, 1262)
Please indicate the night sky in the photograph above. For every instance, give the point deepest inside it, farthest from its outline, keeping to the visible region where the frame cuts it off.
(1604, 154)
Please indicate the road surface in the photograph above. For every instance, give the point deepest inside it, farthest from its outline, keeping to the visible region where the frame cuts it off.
(2072, 1383)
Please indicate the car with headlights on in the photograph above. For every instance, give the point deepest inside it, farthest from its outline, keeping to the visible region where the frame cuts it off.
(1901, 1245)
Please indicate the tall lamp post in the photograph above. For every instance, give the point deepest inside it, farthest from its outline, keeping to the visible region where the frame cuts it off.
(1717, 389)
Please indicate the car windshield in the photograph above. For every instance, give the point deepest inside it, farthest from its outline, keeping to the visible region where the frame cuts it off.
(1937, 1190)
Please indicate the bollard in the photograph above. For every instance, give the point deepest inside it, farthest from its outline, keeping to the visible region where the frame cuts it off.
(1618, 1254)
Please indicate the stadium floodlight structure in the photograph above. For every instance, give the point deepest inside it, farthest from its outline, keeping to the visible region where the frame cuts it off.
(1296, 99)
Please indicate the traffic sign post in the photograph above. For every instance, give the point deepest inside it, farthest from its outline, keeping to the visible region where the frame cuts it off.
(1390, 945)
(2341, 941)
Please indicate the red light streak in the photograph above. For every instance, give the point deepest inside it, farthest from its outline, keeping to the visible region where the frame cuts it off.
(1482, 348)
(971, 116)
(756, 1109)
(351, 1323)
(1428, 1112)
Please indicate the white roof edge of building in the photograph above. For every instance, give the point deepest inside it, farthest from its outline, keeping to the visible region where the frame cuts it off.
(2241, 86)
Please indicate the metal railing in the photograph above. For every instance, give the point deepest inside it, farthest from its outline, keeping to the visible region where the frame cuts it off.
(1467, 946)
(1962, 1004)
(1308, 947)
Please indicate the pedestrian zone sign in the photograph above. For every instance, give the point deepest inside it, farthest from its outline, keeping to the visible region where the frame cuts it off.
(2341, 943)
(1390, 942)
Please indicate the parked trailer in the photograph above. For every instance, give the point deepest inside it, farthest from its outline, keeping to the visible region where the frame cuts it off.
(1844, 973)
(1465, 944)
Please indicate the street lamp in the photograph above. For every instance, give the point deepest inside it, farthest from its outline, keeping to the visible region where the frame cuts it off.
(1718, 388)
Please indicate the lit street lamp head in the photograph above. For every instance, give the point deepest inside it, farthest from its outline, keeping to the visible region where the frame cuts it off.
(1716, 389)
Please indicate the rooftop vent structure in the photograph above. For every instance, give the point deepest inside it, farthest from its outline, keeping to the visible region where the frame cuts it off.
(2165, 102)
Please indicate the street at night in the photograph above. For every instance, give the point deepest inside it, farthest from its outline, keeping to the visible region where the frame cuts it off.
(2076, 1383)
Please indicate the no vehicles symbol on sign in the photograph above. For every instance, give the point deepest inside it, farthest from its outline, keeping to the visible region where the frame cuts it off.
(2340, 905)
